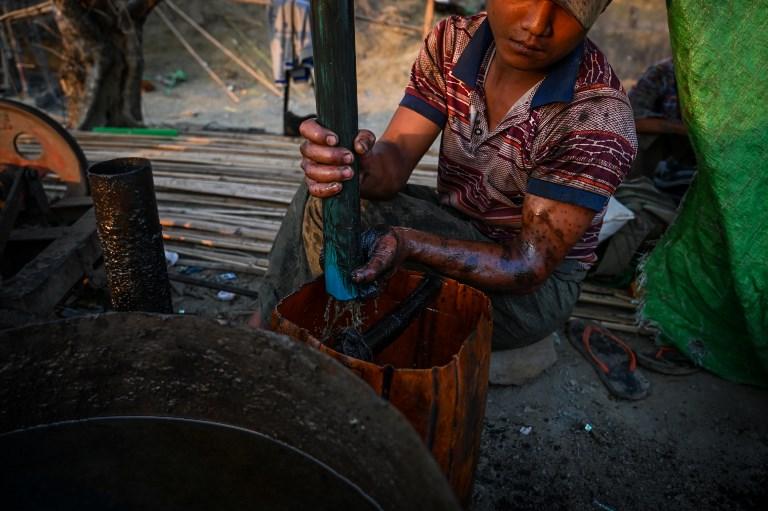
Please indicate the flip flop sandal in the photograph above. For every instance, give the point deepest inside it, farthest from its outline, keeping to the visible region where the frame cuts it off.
(613, 360)
(667, 360)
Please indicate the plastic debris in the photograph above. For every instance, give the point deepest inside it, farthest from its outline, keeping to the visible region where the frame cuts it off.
(189, 270)
(526, 430)
(588, 427)
(181, 310)
(171, 80)
(226, 277)
(225, 296)
(171, 258)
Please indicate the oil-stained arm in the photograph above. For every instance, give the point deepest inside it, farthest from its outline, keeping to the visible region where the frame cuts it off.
(549, 230)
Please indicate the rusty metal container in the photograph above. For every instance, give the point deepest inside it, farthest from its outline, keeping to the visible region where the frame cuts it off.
(435, 373)
(136, 411)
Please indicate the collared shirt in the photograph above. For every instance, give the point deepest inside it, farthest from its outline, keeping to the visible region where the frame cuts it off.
(655, 94)
(571, 138)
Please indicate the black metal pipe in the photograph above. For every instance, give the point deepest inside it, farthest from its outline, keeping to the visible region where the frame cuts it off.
(131, 238)
(380, 335)
(333, 42)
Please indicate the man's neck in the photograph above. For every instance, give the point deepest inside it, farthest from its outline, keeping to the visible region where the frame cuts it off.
(503, 87)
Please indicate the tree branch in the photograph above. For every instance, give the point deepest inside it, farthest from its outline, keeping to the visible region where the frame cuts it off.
(140, 9)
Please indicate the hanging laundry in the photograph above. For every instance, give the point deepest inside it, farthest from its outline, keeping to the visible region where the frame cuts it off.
(291, 45)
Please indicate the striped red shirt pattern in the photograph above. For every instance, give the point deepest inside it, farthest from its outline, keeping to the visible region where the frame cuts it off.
(571, 138)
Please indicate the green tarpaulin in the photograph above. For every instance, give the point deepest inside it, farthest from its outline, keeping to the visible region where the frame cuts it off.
(706, 284)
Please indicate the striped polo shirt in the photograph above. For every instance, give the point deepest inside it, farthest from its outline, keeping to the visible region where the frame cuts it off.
(571, 138)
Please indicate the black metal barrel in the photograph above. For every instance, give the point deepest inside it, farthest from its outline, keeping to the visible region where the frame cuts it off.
(130, 235)
(136, 411)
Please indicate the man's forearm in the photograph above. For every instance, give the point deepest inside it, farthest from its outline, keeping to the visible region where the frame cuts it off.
(383, 172)
(489, 266)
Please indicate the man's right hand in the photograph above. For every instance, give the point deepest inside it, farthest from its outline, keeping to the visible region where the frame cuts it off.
(325, 165)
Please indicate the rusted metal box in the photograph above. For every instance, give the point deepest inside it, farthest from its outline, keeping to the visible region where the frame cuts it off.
(435, 373)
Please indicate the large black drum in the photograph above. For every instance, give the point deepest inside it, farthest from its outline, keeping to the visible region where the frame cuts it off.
(139, 411)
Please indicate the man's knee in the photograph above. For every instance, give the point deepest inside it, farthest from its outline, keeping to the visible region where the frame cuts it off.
(312, 233)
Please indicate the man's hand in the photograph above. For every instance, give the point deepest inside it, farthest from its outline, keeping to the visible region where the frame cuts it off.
(549, 230)
(384, 249)
(325, 165)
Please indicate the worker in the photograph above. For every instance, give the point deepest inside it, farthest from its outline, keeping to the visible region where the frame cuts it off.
(662, 134)
(537, 133)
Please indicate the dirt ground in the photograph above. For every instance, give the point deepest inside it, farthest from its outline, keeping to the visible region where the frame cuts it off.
(632, 33)
(696, 443)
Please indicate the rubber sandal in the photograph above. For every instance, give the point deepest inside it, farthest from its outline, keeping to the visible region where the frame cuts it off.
(613, 360)
(667, 360)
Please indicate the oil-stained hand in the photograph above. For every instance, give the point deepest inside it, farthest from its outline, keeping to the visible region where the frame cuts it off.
(325, 165)
(385, 250)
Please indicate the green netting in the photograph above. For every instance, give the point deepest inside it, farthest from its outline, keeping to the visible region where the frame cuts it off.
(706, 284)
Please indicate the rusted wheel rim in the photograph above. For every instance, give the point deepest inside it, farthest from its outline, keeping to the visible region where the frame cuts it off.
(59, 152)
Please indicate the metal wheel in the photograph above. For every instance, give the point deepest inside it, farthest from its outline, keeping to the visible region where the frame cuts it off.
(30, 138)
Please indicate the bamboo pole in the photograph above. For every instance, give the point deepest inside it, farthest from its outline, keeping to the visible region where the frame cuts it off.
(197, 57)
(192, 281)
(244, 39)
(429, 18)
(237, 60)
(333, 41)
(27, 12)
(17, 57)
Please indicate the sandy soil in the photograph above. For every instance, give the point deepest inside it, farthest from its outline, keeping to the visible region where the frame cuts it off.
(384, 59)
(632, 33)
(696, 443)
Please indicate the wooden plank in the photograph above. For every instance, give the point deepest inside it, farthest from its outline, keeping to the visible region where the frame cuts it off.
(217, 228)
(606, 300)
(244, 191)
(43, 282)
(215, 241)
(39, 233)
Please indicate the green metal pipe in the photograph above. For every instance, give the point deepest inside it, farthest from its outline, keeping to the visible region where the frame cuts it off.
(333, 41)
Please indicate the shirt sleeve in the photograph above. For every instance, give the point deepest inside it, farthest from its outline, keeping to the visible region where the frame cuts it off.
(426, 93)
(584, 153)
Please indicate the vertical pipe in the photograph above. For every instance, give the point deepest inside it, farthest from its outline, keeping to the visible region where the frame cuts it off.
(131, 239)
(429, 18)
(333, 41)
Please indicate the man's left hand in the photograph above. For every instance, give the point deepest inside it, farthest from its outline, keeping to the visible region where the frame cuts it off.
(385, 250)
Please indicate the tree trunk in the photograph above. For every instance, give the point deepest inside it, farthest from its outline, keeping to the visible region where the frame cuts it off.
(101, 76)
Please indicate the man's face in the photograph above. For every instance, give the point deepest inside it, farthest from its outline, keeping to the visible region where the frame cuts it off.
(531, 35)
